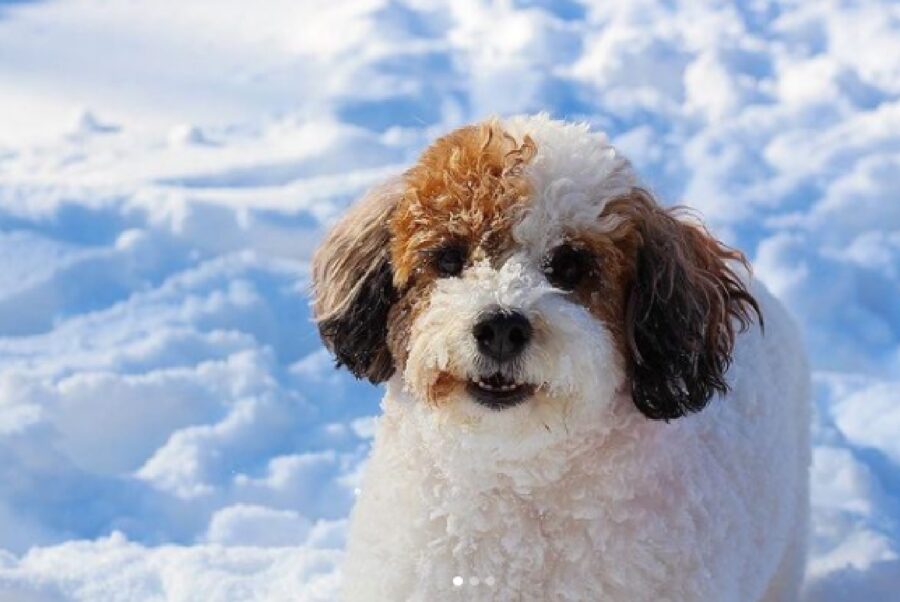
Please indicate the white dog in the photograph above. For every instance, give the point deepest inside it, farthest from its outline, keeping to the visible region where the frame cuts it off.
(549, 335)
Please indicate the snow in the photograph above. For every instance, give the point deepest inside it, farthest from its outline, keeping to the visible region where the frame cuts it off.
(170, 427)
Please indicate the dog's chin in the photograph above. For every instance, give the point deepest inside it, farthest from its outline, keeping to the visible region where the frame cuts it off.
(469, 423)
(495, 426)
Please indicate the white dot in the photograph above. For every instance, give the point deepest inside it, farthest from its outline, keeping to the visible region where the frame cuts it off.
(489, 581)
(457, 581)
(357, 491)
(474, 581)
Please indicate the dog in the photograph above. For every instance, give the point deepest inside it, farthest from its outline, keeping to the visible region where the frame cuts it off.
(588, 396)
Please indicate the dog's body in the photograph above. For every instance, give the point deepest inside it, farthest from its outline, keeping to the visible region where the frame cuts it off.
(549, 336)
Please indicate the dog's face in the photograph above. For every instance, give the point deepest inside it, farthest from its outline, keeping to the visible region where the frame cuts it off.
(517, 273)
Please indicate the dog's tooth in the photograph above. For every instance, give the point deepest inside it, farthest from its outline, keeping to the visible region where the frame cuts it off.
(497, 384)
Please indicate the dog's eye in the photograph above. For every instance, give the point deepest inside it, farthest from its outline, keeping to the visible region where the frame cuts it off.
(450, 260)
(565, 266)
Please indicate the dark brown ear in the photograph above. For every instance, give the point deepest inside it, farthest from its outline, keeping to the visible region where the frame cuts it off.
(353, 286)
(681, 312)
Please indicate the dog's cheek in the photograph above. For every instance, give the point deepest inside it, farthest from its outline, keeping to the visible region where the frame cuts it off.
(440, 346)
(576, 354)
(425, 351)
(400, 323)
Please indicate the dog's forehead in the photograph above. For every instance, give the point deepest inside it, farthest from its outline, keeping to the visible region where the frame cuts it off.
(522, 181)
(573, 173)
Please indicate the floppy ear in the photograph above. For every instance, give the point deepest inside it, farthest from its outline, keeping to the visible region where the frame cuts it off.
(681, 312)
(353, 286)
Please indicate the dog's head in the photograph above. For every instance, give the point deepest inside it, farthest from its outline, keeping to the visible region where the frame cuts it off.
(517, 272)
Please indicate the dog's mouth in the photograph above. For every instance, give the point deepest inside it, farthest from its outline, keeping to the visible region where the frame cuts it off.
(498, 392)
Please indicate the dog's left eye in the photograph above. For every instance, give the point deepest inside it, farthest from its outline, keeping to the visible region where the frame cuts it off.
(450, 260)
(566, 266)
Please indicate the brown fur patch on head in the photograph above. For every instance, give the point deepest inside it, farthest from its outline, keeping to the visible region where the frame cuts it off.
(463, 191)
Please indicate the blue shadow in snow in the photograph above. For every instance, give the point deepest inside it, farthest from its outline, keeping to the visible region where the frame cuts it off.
(566, 10)
(78, 224)
(6, 5)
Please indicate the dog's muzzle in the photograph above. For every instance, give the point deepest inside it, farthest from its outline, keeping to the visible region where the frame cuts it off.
(501, 336)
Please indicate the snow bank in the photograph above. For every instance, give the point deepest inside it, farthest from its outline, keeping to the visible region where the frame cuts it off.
(170, 427)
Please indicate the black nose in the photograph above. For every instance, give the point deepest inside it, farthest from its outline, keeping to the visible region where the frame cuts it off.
(502, 335)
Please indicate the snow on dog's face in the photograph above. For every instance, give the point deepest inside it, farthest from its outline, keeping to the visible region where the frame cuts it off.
(517, 275)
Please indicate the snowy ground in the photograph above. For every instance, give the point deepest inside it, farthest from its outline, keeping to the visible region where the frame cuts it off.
(170, 428)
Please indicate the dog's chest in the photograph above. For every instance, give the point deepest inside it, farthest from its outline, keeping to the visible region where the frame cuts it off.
(560, 540)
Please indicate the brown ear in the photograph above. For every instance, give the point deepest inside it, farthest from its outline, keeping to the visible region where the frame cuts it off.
(353, 286)
(681, 312)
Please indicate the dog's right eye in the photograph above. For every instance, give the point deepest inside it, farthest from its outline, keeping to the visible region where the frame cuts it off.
(450, 260)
